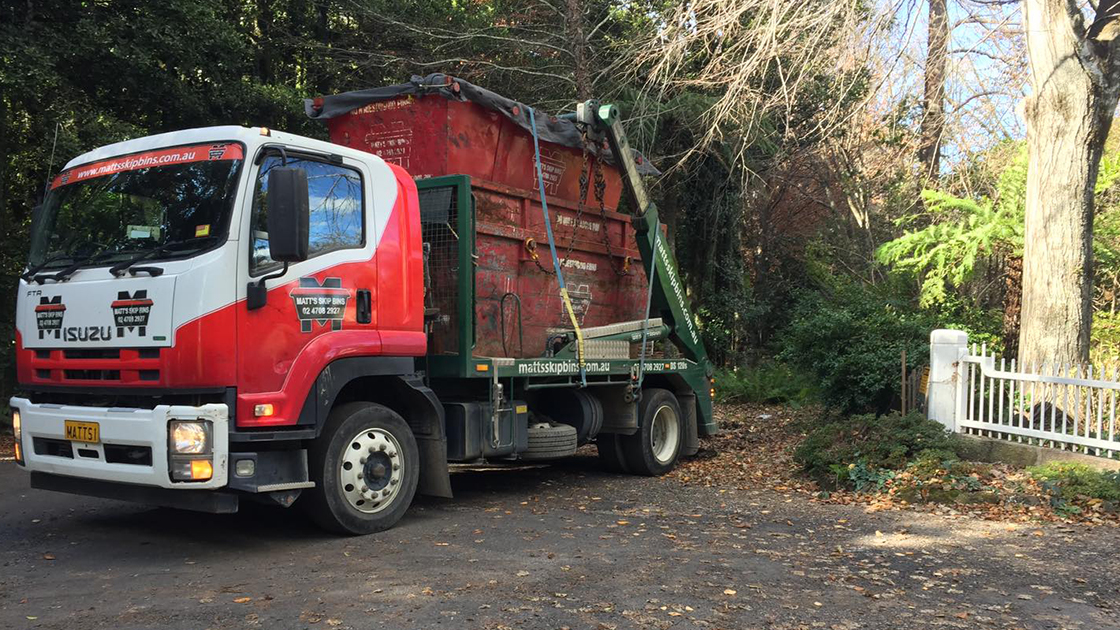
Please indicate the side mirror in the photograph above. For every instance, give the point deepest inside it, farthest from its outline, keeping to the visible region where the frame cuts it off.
(288, 214)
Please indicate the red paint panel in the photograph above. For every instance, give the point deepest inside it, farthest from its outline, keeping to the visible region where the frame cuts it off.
(431, 136)
(283, 357)
(204, 355)
(400, 263)
(149, 159)
(506, 217)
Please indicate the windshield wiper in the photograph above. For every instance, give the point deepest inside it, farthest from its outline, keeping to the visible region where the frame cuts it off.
(30, 273)
(78, 263)
(120, 268)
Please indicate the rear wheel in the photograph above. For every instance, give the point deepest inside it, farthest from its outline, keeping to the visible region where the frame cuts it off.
(654, 448)
(365, 465)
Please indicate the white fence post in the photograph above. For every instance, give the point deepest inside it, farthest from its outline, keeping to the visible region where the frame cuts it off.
(946, 376)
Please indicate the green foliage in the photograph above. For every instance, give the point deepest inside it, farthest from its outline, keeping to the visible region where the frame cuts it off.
(1105, 347)
(772, 383)
(939, 477)
(850, 340)
(848, 449)
(861, 476)
(962, 233)
(984, 325)
(1072, 482)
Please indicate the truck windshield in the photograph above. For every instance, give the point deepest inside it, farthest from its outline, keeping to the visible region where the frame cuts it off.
(114, 209)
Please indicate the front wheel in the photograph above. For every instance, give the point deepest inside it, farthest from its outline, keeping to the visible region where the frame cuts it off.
(365, 465)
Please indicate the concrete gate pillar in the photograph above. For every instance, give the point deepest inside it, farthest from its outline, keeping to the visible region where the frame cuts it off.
(946, 376)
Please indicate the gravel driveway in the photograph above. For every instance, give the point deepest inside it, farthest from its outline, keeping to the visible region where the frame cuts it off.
(548, 547)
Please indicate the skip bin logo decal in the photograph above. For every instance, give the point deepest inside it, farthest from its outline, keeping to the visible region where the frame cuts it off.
(48, 316)
(131, 311)
(320, 303)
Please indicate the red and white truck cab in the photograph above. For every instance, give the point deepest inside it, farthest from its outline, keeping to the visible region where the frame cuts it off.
(145, 341)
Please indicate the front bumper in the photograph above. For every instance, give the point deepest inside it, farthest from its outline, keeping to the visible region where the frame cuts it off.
(119, 427)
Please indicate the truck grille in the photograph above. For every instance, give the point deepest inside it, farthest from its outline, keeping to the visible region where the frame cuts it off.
(114, 453)
(73, 366)
(96, 353)
(92, 375)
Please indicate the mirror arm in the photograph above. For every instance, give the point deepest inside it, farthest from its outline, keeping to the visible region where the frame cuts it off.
(256, 294)
(283, 270)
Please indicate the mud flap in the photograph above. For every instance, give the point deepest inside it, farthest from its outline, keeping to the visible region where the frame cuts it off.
(425, 417)
(691, 442)
(435, 478)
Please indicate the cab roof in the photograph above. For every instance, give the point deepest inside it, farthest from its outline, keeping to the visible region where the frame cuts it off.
(251, 137)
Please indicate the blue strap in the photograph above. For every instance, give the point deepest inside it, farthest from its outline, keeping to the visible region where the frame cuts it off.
(552, 248)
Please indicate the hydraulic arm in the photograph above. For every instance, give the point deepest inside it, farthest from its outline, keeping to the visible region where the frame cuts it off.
(668, 300)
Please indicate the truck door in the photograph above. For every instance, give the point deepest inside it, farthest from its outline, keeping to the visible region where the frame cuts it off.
(329, 293)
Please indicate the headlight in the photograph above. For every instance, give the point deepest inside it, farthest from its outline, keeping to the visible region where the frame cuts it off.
(16, 428)
(190, 437)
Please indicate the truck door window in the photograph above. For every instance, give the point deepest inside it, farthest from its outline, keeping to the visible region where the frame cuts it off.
(337, 220)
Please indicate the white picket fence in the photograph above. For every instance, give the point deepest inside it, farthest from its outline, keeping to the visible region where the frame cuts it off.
(1063, 406)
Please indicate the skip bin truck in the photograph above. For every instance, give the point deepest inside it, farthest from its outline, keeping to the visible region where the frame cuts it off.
(231, 313)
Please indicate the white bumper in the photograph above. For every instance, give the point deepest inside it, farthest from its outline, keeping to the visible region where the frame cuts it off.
(124, 426)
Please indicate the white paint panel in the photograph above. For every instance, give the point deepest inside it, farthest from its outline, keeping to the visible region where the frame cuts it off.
(89, 319)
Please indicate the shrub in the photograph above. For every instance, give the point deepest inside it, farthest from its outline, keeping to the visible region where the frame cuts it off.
(861, 476)
(870, 443)
(851, 342)
(1067, 481)
(939, 477)
(768, 383)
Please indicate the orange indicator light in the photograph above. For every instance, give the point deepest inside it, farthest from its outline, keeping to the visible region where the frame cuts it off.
(201, 469)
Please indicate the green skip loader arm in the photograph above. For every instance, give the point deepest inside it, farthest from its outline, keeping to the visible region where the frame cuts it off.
(669, 300)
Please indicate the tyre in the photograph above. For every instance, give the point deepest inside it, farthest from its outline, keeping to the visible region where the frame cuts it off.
(654, 448)
(610, 452)
(365, 465)
(550, 441)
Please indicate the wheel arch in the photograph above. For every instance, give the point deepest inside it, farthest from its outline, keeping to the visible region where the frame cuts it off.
(392, 382)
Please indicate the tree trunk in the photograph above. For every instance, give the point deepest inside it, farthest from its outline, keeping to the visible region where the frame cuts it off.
(323, 34)
(1074, 89)
(577, 39)
(933, 119)
(1012, 305)
(265, 61)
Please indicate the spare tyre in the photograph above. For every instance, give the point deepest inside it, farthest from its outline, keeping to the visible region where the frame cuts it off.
(550, 441)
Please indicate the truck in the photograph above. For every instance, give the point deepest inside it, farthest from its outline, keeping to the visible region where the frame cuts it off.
(224, 314)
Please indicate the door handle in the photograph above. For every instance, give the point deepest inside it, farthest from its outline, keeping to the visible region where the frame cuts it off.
(365, 306)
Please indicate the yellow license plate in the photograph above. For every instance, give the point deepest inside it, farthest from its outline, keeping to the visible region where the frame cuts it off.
(88, 432)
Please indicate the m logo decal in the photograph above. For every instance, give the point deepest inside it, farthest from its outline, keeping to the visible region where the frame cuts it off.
(48, 316)
(320, 303)
(131, 312)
